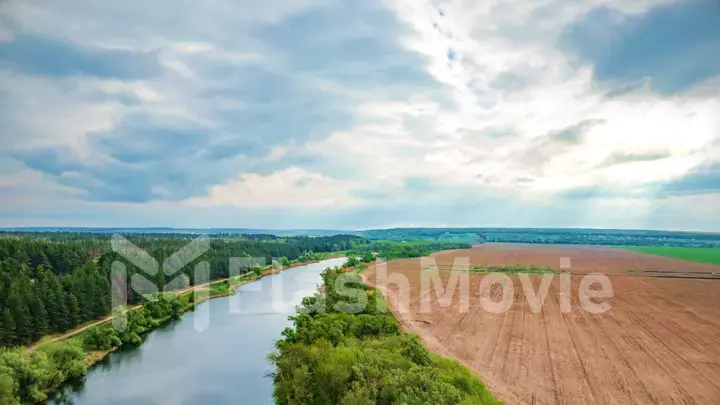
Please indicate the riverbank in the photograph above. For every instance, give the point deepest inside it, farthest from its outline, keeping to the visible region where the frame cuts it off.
(267, 270)
(95, 342)
(346, 347)
(233, 283)
(209, 356)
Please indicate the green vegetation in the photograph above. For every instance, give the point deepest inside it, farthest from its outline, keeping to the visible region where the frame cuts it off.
(54, 285)
(389, 250)
(507, 269)
(27, 376)
(703, 255)
(346, 348)
(359, 262)
(222, 288)
(90, 345)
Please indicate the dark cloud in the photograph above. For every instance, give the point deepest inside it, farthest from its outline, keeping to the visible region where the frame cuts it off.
(272, 109)
(142, 160)
(353, 43)
(705, 180)
(676, 45)
(317, 66)
(39, 55)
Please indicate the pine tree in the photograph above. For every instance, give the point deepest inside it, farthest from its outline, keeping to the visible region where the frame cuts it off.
(39, 318)
(21, 316)
(73, 310)
(50, 301)
(100, 296)
(7, 328)
(60, 309)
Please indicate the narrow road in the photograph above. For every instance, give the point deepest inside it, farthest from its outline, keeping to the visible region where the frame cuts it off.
(109, 318)
(183, 292)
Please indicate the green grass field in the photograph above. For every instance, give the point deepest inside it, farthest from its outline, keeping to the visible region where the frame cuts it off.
(507, 269)
(703, 255)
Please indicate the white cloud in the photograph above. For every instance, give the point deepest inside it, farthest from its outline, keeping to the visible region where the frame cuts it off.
(293, 187)
(493, 127)
(502, 136)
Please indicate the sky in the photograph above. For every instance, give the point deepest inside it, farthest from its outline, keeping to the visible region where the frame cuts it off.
(360, 114)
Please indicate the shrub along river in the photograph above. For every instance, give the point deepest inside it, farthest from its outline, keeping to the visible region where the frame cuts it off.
(214, 355)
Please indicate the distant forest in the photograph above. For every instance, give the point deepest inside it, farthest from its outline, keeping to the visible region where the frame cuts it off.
(548, 235)
(52, 282)
(461, 235)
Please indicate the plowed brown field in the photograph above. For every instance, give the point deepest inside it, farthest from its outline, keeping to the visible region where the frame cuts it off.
(658, 344)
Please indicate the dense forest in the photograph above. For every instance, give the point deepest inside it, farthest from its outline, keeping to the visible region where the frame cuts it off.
(404, 250)
(345, 348)
(53, 282)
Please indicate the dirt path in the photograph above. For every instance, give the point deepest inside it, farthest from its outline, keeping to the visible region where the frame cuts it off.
(109, 318)
(182, 292)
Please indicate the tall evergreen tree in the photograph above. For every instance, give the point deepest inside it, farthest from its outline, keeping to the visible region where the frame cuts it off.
(21, 316)
(39, 318)
(74, 314)
(7, 328)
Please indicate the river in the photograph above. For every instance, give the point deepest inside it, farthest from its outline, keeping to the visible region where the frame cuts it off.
(214, 355)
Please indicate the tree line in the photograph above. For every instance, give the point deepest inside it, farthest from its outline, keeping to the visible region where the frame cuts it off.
(55, 284)
(345, 348)
(389, 250)
(47, 287)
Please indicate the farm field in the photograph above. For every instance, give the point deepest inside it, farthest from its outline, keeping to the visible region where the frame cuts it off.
(586, 259)
(704, 255)
(657, 344)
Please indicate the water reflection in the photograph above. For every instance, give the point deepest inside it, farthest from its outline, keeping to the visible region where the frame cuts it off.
(181, 364)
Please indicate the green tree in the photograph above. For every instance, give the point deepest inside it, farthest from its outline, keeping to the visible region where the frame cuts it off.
(74, 315)
(69, 359)
(7, 328)
(39, 318)
(8, 387)
(101, 338)
(21, 317)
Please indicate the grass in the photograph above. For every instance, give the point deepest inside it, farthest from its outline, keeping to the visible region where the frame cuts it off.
(506, 269)
(702, 255)
(513, 269)
(219, 288)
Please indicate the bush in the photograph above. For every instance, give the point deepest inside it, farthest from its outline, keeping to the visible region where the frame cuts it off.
(26, 376)
(101, 338)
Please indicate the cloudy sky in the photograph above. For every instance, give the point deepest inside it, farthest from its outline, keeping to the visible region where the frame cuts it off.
(360, 114)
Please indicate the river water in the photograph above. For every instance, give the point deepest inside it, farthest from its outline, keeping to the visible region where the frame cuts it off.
(215, 355)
